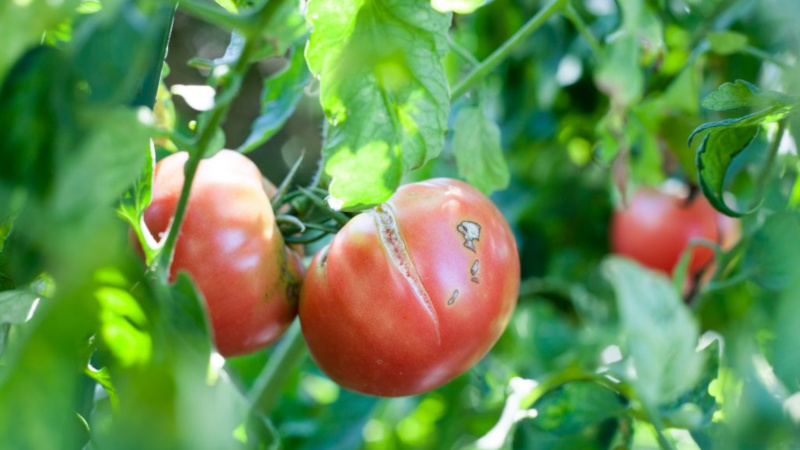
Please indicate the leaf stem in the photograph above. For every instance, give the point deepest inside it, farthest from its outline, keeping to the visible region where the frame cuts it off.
(658, 428)
(508, 46)
(572, 15)
(268, 386)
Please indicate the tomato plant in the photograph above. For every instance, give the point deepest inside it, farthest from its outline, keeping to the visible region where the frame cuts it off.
(230, 244)
(656, 227)
(548, 107)
(413, 293)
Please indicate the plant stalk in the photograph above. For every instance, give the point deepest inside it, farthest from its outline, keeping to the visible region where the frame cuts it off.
(508, 46)
(268, 386)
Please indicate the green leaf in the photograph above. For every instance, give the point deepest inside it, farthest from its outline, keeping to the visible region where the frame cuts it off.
(135, 201)
(695, 408)
(123, 326)
(116, 49)
(619, 75)
(383, 89)
(727, 42)
(787, 327)
(22, 24)
(15, 306)
(773, 256)
(659, 332)
(574, 406)
(38, 108)
(111, 157)
(458, 6)
(741, 94)
(715, 155)
(476, 146)
(187, 318)
(103, 378)
(278, 100)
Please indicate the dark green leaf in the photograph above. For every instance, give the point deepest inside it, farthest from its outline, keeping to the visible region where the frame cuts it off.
(384, 90)
(574, 406)
(727, 42)
(137, 198)
(278, 100)
(15, 306)
(768, 115)
(476, 146)
(38, 105)
(658, 330)
(117, 48)
(715, 155)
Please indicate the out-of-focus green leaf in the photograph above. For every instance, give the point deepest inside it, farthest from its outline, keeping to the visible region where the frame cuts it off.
(103, 378)
(658, 330)
(773, 256)
(695, 408)
(384, 90)
(15, 306)
(278, 100)
(619, 74)
(458, 6)
(123, 326)
(787, 331)
(111, 157)
(22, 24)
(188, 318)
(38, 105)
(476, 146)
(117, 48)
(574, 406)
(742, 94)
(727, 42)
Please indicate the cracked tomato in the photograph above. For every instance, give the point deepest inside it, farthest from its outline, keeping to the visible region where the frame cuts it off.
(230, 245)
(413, 293)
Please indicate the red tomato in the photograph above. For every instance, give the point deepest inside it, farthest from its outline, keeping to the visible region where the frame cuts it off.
(413, 293)
(656, 228)
(230, 245)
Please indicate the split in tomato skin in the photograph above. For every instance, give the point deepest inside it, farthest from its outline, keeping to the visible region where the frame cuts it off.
(412, 294)
(657, 227)
(231, 246)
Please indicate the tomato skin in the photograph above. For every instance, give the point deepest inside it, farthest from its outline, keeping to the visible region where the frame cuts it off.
(364, 325)
(656, 227)
(230, 245)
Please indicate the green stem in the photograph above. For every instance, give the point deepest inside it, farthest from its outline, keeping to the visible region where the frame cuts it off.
(572, 15)
(463, 53)
(267, 388)
(259, 18)
(508, 46)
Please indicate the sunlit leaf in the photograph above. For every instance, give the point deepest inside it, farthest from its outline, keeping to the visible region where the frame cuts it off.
(458, 6)
(383, 88)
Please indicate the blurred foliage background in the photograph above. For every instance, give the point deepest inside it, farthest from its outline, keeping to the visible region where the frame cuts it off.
(600, 353)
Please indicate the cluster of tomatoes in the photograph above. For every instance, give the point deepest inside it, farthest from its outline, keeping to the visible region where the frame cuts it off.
(406, 296)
